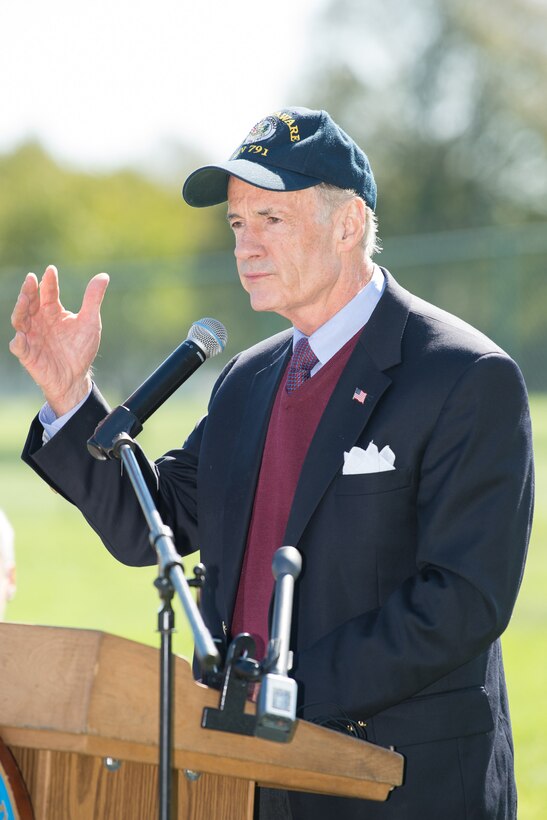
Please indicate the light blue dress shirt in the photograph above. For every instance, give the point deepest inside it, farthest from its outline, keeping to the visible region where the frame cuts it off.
(340, 328)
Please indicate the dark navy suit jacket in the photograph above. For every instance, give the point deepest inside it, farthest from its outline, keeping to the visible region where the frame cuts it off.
(409, 576)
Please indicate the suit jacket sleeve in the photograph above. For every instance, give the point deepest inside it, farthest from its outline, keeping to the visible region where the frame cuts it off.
(105, 496)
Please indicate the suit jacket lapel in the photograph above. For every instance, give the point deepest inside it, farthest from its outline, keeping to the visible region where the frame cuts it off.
(339, 428)
(345, 419)
(246, 460)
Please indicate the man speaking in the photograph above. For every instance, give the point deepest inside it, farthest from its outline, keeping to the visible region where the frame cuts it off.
(384, 438)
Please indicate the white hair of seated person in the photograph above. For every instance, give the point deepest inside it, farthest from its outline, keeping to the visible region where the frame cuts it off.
(7, 563)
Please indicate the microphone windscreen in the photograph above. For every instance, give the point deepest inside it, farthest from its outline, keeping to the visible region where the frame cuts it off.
(210, 335)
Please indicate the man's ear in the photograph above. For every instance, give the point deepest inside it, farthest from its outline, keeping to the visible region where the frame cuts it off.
(351, 225)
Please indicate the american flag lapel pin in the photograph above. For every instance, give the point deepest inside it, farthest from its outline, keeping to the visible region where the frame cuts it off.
(359, 395)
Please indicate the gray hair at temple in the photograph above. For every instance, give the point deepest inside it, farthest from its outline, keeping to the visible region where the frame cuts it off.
(333, 197)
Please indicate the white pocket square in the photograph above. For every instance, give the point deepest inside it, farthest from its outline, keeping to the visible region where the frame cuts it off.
(371, 460)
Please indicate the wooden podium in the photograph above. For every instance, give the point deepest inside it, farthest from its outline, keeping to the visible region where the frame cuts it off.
(79, 712)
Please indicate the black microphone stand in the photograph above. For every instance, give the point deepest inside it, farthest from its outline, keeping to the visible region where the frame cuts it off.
(170, 580)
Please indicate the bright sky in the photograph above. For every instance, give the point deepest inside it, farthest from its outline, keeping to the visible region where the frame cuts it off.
(108, 82)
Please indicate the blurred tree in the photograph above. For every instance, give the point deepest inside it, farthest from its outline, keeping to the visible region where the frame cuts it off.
(137, 228)
(49, 213)
(448, 98)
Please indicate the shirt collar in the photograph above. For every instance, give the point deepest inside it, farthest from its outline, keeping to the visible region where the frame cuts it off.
(328, 339)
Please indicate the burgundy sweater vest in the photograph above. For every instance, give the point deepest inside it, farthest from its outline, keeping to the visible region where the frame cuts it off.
(292, 426)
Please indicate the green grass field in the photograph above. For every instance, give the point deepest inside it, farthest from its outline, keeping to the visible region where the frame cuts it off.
(67, 578)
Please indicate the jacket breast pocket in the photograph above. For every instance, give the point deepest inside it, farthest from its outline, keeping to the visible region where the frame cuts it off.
(367, 483)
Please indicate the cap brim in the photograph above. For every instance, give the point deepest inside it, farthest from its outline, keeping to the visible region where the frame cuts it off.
(209, 185)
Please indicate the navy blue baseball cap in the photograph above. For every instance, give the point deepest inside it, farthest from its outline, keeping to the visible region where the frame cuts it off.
(288, 150)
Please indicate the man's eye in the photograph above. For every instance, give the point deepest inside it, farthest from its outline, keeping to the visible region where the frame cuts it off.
(273, 220)
(235, 225)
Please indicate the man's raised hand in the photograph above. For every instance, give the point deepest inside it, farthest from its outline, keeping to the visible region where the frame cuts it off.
(55, 346)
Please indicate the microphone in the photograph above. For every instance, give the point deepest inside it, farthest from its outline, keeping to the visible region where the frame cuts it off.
(206, 338)
(276, 706)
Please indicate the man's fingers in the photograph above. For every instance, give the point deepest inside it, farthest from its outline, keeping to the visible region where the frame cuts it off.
(27, 302)
(35, 299)
(49, 287)
(20, 313)
(94, 295)
(30, 284)
(18, 345)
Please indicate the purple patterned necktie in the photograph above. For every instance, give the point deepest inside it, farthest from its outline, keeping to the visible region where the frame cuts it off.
(302, 362)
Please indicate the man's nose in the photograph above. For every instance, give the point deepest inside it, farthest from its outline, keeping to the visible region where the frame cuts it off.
(247, 245)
